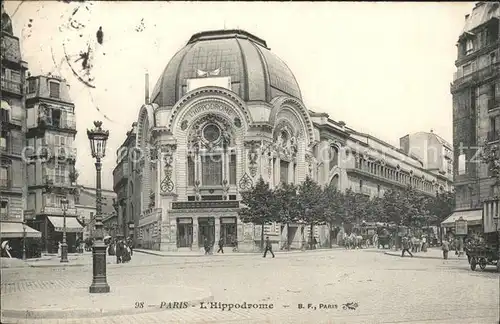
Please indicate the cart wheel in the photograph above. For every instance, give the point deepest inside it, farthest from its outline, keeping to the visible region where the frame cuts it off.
(482, 263)
(473, 263)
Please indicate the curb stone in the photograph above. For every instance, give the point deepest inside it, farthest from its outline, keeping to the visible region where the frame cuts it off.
(422, 257)
(180, 254)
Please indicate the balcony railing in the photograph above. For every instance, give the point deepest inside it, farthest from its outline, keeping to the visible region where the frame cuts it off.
(493, 103)
(493, 136)
(57, 210)
(475, 75)
(68, 123)
(12, 86)
(205, 204)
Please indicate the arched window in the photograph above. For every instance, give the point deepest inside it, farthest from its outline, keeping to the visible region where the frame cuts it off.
(333, 156)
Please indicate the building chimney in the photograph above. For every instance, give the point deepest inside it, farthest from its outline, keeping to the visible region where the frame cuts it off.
(146, 90)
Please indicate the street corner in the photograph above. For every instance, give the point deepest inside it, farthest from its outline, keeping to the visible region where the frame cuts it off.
(121, 300)
(431, 254)
(9, 263)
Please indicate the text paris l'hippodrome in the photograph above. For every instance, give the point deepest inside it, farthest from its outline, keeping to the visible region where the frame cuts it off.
(230, 306)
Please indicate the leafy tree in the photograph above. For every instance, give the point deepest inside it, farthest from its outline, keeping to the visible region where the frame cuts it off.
(392, 206)
(311, 203)
(375, 210)
(287, 205)
(334, 206)
(355, 206)
(259, 206)
(441, 206)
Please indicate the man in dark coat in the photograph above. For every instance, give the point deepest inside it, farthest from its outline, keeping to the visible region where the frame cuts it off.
(269, 247)
(221, 245)
(406, 246)
(206, 245)
(119, 251)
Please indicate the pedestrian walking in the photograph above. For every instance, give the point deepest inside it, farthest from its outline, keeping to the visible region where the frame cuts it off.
(406, 246)
(6, 249)
(119, 251)
(221, 246)
(206, 245)
(445, 247)
(130, 244)
(235, 244)
(269, 247)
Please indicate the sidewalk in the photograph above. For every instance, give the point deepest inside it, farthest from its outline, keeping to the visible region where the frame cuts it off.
(433, 253)
(228, 251)
(77, 302)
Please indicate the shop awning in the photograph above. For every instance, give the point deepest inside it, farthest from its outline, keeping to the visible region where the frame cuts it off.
(72, 224)
(16, 230)
(473, 217)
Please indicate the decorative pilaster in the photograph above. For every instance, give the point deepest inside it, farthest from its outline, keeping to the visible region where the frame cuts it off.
(217, 223)
(167, 159)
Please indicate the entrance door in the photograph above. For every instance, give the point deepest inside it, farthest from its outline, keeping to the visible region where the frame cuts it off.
(206, 230)
(184, 232)
(228, 231)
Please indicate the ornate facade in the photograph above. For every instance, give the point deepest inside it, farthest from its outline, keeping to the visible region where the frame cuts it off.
(225, 112)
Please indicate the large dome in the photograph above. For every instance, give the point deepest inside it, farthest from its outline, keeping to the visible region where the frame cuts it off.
(255, 72)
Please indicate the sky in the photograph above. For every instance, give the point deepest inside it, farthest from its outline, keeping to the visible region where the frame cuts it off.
(384, 68)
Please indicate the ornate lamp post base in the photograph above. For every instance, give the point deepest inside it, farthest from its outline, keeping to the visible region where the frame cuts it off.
(99, 282)
(64, 253)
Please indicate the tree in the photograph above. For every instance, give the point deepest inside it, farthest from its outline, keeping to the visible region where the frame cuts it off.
(355, 206)
(287, 205)
(391, 205)
(442, 206)
(259, 206)
(311, 202)
(334, 206)
(375, 210)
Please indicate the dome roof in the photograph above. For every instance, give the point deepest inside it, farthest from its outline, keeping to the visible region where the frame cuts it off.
(255, 72)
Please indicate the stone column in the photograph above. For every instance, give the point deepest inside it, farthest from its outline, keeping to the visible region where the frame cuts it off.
(291, 174)
(277, 172)
(120, 218)
(198, 168)
(195, 246)
(217, 223)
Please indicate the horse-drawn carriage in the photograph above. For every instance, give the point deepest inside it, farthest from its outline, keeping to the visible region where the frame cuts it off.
(487, 252)
(483, 255)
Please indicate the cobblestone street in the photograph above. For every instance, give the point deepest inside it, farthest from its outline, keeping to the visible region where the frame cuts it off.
(386, 288)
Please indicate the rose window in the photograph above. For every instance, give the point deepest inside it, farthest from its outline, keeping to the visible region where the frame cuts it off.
(211, 133)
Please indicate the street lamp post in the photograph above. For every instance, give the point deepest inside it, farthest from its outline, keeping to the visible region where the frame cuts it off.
(24, 240)
(64, 245)
(98, 138)
(495, 220)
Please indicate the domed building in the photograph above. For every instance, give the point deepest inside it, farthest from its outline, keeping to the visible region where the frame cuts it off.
(225, 112)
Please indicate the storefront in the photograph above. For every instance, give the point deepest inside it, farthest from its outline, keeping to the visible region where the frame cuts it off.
(206, 227)
(228, 230)
(184, 232)
(14, 233)
(55, 229)
(473, 217)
